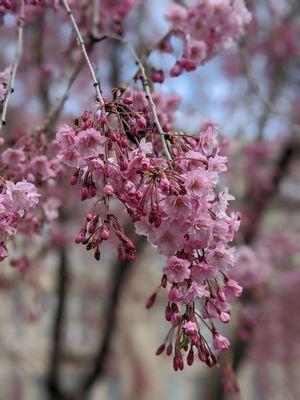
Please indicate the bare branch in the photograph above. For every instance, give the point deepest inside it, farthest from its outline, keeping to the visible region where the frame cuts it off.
(263, 98)
(96, 82)
(17, 57)
(59, 318)
(120, 271)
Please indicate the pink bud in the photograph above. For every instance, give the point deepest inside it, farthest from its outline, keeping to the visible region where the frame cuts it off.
(141, 122)
(160, 349)
(164, 281)
(168, 313)
(221, 295)
(169, 349)
(104, 232)
(103, 119)
(97, 254)
(80, 236)
(108, 190)
(190, 357)
(151, 300)
(127, 100)
(74, 179)
(164, 185)
(93, 191)
(89, 217)
(224, 317)
(176, 70)
(84, 193)
(157, 75)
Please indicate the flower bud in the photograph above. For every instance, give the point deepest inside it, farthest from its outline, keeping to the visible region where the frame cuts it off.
(151, 300)
(160, 349)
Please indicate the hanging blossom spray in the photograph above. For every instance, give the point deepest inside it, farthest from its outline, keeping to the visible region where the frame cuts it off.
(166, 181)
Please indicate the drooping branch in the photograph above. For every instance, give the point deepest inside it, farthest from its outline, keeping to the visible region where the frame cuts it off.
(146, 86)
(58, 325)
(262, 97)
(261, 202)
(120, 272)
(38, 34)
(96, 82)
(17, 57)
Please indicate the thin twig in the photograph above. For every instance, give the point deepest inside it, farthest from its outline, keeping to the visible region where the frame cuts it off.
(146, 85)
(263, 98)
(17, 57)
(96, 82)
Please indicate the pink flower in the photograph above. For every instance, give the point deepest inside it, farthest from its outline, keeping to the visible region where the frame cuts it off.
(23, 194)
(66, 136)
(5, 75)
(174, 294)
(221, 342)
(202, 271)
(199, 181)
(41, 165)
(195, 51)
(90, 143)
(177, 269)
(71, 157)
(168, 238)
(194, 292)
(177, 15)
(221, 257)
(2, 93)
(50, 208)
(190, 328)
(13, 157)
(178, 206)
(232, 289)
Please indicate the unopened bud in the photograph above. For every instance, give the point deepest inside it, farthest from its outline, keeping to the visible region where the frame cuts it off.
(160, 349)
(150, 302)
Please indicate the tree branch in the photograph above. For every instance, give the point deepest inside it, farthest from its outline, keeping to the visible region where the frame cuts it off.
(17, 57)
(96, 82)
(57, 333)
(263, 98)
(120, 272)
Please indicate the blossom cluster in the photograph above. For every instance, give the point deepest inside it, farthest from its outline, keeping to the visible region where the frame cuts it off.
(113, 13)
(25, 169)
(205, 28)
(117, 153)
(15, 199)
(270, 276)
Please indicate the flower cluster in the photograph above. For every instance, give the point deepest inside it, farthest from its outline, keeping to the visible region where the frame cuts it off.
(270, 276)
(112, 13)
(205, 28)
(15, 199)
(118, 154)
(26, 169)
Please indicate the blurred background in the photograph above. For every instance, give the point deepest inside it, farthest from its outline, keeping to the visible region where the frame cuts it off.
(66, 318)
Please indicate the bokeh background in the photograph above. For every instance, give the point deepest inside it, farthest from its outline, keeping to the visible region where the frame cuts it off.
(57, 314)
